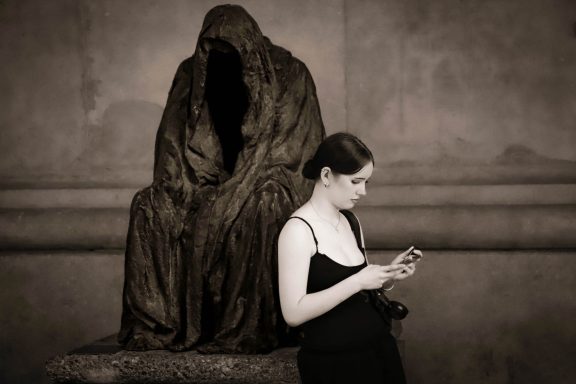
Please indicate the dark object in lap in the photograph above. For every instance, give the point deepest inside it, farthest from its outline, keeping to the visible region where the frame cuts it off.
(241, 119)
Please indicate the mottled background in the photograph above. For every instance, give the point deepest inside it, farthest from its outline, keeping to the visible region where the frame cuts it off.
(469, 107)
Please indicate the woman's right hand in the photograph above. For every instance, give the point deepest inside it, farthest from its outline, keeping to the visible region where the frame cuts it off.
(374, 276)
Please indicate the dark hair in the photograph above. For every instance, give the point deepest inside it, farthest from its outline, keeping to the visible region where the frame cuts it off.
(342, 152)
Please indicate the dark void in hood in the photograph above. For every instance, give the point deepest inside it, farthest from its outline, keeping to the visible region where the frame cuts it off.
(241, 119)
(227, 98)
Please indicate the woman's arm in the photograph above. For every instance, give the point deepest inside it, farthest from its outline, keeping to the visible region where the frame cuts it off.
(295, 248)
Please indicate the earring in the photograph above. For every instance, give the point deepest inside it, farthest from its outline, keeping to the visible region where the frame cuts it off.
(326, 185)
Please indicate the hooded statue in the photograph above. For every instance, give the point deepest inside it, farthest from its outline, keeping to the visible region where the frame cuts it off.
(241, 119)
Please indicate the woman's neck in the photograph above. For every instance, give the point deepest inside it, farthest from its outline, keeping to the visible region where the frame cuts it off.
(323, 207)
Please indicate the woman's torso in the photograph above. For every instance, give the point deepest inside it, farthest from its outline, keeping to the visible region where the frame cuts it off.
(352, 324)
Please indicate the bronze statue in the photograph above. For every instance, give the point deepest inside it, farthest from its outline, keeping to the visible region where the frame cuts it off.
(241, 119)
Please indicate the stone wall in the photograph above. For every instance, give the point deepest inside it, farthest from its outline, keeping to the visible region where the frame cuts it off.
(85, 82)
(464, 92)
(468, 107)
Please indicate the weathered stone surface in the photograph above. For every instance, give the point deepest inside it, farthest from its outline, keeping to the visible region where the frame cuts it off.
(105, 362)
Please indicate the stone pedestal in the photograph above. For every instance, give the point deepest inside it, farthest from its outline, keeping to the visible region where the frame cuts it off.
(105, 362)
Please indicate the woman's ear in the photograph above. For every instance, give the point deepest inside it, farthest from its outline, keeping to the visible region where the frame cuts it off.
(325, 176)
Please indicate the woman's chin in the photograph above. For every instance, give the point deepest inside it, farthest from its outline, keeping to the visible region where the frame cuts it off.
(349, 204)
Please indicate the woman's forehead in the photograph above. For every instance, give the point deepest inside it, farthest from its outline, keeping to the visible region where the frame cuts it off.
(365, 172)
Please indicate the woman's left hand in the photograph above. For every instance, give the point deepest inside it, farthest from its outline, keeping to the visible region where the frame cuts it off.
(409, 269)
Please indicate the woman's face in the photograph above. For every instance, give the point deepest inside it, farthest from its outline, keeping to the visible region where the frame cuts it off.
(346, 190)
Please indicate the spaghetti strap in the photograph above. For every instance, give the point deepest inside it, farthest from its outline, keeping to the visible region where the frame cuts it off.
(309, 226)
(356, 229)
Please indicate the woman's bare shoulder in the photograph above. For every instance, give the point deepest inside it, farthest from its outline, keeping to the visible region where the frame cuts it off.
(296, 228)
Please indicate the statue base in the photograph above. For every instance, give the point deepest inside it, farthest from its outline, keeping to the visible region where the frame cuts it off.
(105, 362)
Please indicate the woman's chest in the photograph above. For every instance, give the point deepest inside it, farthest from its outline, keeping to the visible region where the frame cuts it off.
(340, 246)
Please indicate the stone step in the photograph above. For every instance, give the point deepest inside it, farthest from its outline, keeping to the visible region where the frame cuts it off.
(105, 362)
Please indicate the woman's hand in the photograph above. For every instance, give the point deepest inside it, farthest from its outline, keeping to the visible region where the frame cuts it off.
(374, 276)
(408, 269)
(406, 272)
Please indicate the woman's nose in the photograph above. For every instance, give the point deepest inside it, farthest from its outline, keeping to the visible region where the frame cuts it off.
(362, 190)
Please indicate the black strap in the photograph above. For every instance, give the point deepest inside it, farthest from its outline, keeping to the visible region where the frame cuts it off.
(355, 225)
(309, 226)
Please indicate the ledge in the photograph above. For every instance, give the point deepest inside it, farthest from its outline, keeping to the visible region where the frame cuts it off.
(105, 362)
(535, 216)
(378, 195)
(470, 226)
(71, 229)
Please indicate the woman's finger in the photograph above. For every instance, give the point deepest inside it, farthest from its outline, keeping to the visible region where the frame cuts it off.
(390, 275)
(393, 267)
(406, 252)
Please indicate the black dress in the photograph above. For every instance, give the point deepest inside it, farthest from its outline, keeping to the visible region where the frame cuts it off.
(351, 343)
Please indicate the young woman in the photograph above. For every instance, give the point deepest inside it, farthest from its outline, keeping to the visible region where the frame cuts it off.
(323, 273)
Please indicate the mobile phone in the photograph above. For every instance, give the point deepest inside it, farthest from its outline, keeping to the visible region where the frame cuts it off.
(412, 257)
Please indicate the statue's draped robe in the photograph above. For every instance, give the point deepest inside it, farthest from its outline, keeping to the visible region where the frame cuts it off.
(241, 119)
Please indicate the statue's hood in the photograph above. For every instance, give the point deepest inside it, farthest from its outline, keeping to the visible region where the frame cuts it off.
(233, 25)
(231, 28)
